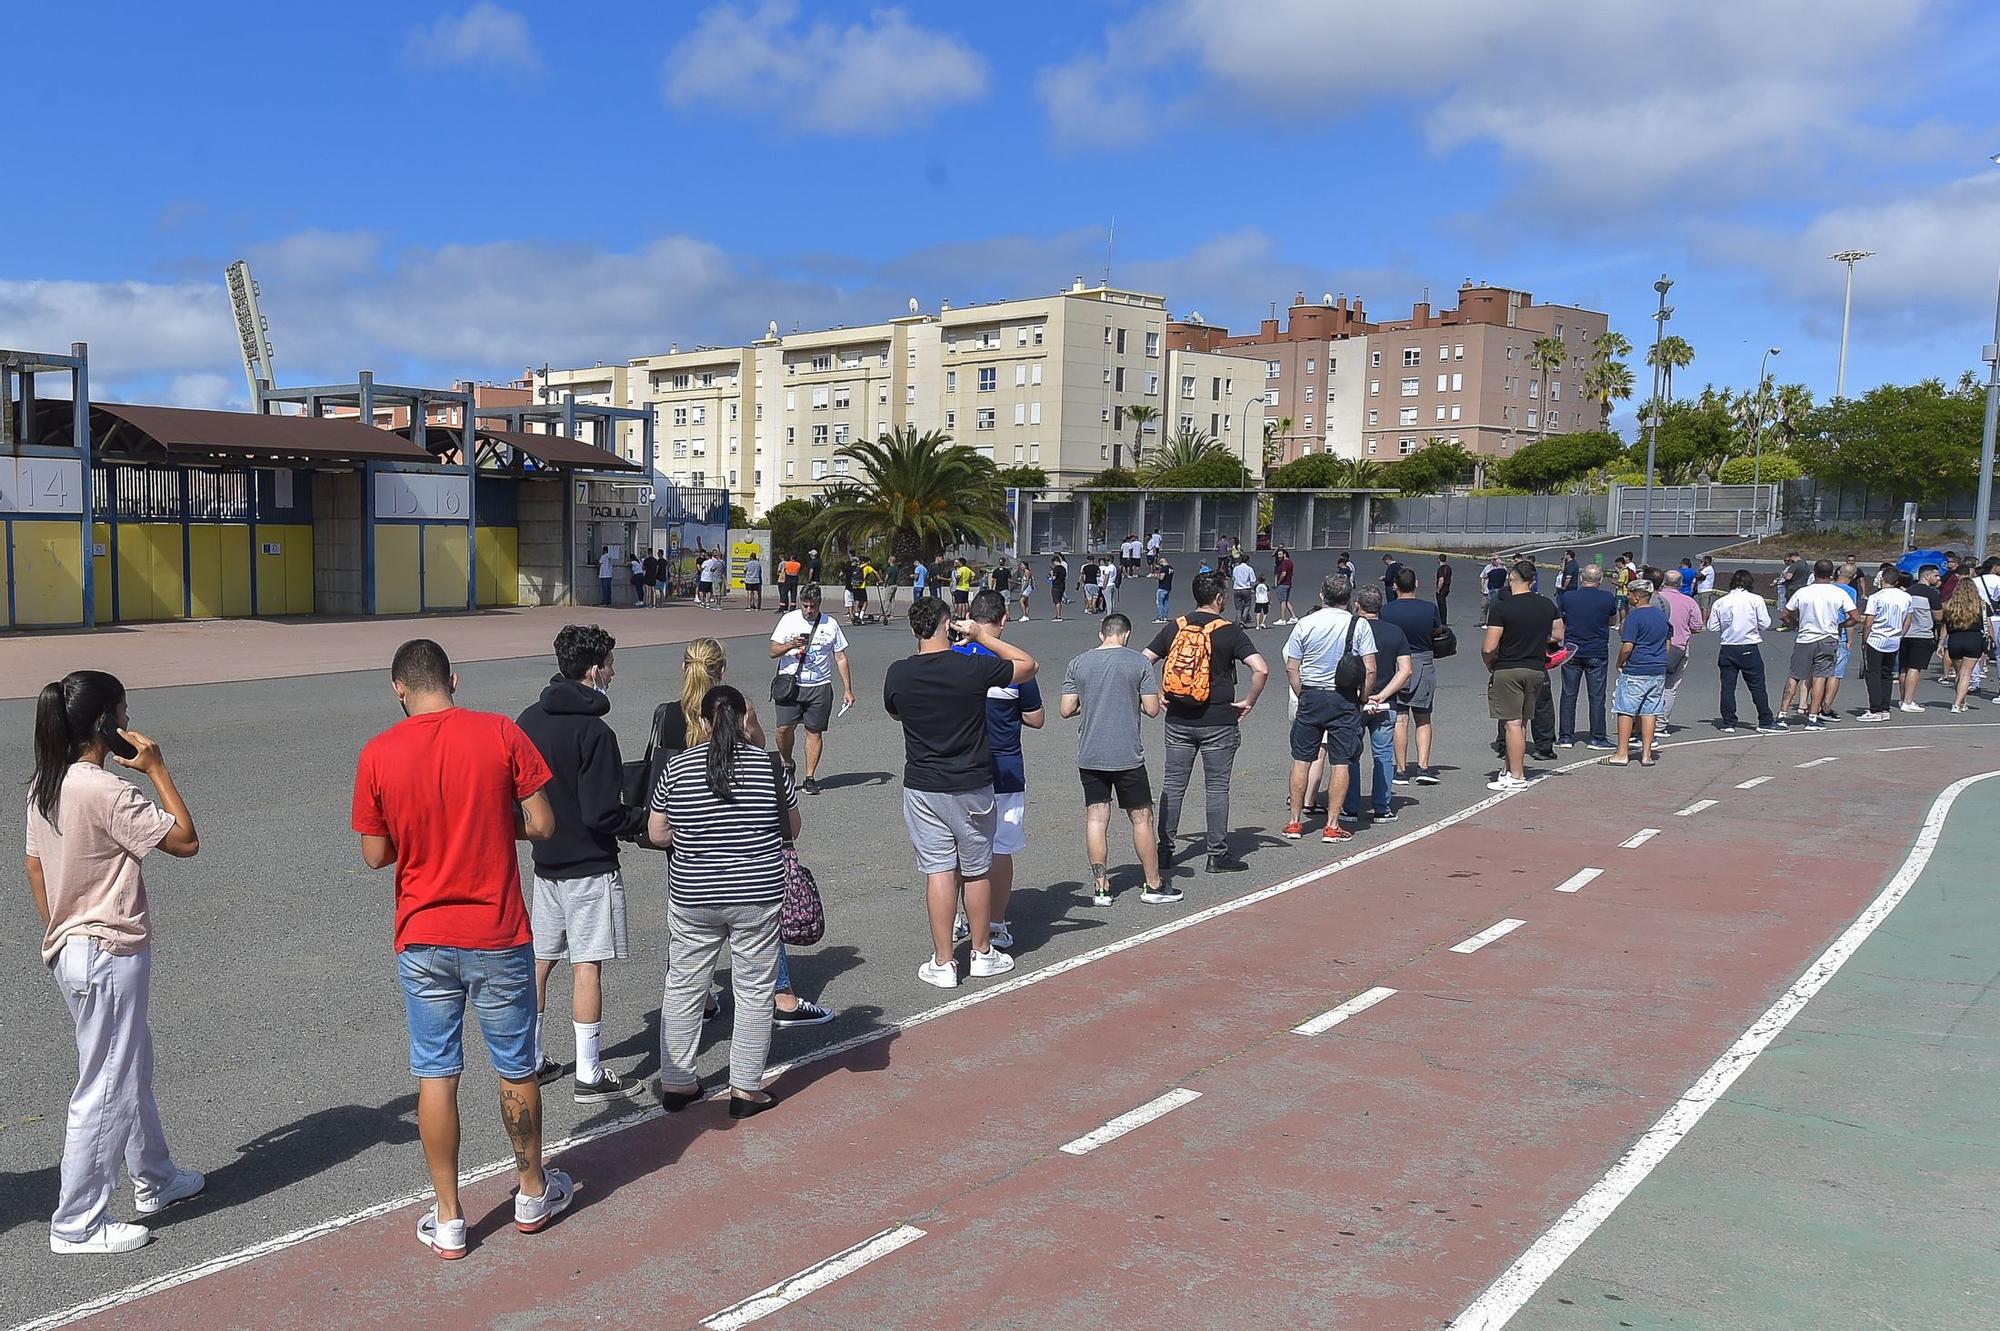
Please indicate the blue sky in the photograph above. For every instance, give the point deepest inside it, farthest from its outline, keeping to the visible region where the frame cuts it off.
(444, 191)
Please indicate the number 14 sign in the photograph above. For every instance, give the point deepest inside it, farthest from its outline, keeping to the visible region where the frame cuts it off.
(41, 485)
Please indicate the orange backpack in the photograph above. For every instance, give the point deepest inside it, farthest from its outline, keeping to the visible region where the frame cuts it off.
(1188, 671)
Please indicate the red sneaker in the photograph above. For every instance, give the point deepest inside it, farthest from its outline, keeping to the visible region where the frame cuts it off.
(1335, 834)
(1293, 831)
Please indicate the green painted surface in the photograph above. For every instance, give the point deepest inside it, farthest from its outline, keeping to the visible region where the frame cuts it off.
(1851, 1177)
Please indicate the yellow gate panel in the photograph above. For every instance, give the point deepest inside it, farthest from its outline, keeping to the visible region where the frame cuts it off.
(218, 559)
(499, 566)
(47, 564)
(399, 588)
(285, 579)
(444, 567)
(151, 583)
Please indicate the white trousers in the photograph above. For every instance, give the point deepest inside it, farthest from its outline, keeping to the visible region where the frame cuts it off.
(111, 1114)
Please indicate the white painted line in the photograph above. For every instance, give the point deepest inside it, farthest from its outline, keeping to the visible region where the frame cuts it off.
(1485, 936)
(1830, 758)
(1518, 1283)
(787, 1292)
(1639, 838)
(1326, 1021)
(1126, 1122)
(1577, 881)
(1694, 808)
(1752, 783)
(1903, 748)
(278, 1243)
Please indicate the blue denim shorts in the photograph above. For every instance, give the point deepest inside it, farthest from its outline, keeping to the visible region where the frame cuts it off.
(500, 985)
(1639, 695)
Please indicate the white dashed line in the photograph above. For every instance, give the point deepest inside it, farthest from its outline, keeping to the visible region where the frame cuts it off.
(1639, 838)
(1126, 1122)
(1326, 1021)
(787, 1292)
(1694, 808)
(1903, 748)
(1485, 936)
(1518, 1283)
(1577, 881)
(1830, 758)
(1752, 783)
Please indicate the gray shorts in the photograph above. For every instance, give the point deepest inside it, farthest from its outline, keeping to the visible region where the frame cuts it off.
(1421, 691)
(814, 708)
(1813, 660)
(580, 918)
(952, 832)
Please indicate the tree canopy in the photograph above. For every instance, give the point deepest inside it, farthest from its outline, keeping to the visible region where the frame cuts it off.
(1023, 478)
(916, 493)
(1325, 471)
(790, 524)
(1694, 438)
(1549, 464)
(1429, 469)
(1918, 441)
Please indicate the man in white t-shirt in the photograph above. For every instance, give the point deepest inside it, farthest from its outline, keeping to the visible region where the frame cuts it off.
(808, 647)
(1819, 610)
(605, 565)
(1243, 580)
(1327, 715)
(1883, 620)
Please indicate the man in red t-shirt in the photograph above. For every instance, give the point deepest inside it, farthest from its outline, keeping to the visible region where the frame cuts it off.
(444, 795)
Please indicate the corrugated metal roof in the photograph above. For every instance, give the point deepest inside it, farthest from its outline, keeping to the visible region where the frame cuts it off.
(560, 450)
(185, 430)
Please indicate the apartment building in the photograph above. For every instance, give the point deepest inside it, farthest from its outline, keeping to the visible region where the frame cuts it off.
(1222, 396)
(1305, 389)
(601, 385)
(826, 389)
(705, 408)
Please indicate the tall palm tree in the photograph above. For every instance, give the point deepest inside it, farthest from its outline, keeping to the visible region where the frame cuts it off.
(1141, 416)
(1182, 449)
(1605, 381)
(918, 493)
(1671, 353)
(1609, 346)
(1790, 405)
(1274, 440)
(1548, 355)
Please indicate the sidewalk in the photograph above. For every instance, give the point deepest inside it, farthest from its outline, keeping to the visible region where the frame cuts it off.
(216, 651)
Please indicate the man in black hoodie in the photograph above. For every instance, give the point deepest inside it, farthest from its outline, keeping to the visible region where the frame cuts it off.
(578, 909)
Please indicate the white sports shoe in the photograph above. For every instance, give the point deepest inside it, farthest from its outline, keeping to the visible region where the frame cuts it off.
(186, 1183)
(111, 1236)
(1001, 935)
(1913, 707)
(532, 1214)
(989, 963)
(446, 1238)
(944, 977)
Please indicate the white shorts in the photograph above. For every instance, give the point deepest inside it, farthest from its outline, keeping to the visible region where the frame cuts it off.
(1010, 834)
(581, 918)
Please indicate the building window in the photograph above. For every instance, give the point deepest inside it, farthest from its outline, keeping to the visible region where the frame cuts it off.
(732, 478)
(1214, 423)
(910, 395)
(1374, 416)
(1035, 374)
(1407, 416)
(823, 362)
(791, 399)
(1034, 413)
(1107, 335)
(819, 469)
(950, 421)
(1511, 351)
(1152, 344)
(682, 381)
(1272, 369)
(1442, 380)
(1020, 413)
(1534, 388)
(1121, 342)
(1309, 424)
(791, 435)
(850, 360)
(1458, 351)
(1458, 383)
(913, 358)
(1406, 446)
(1456, 411)
(1020, 376)
(1118, 380)
(1507, 384)
(1454, 439)
(1413, 356)
(1104, 452)
(819, 398)
(759, 411)
(1374, 387)
(1186, 422)
(1038, 340)
(680, 448)
(843, 395)
(1374, 359)
(1555, 390)
(1371, 445)
(819, 436)
(842, 432)
(1215, 388)
(1021, 336)
(990, 340)
(1187, 385)
(1107, 374)
(680, 415)
(989, 379)
(1531, 420)
(1152, 383)
(951, 381)
(1270, 397)
(1310, 364)
(733, 407)
(1559, 332)
(882, 394)
(1440, 411)
(1409, 388)
(1309, 394)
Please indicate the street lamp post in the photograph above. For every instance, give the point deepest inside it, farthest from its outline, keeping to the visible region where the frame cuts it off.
(1757, 466)
(1660, 317)
(1983, 505)
(1850, 258)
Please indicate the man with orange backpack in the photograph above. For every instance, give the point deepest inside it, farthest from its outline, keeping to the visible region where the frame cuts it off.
(1198, 686)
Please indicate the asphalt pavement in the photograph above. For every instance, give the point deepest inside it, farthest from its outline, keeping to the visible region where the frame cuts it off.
(281, 1063)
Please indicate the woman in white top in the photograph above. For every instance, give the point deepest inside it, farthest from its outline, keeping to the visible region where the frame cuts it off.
(87, 832)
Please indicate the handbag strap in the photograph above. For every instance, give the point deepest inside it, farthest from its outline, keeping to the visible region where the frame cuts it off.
(778, 788)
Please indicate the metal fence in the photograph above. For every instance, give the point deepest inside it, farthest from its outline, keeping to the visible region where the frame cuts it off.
(1696, 510)
(1498, 515)
(1812, 503)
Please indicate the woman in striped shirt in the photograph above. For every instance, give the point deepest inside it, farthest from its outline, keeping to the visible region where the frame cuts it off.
(725, 809)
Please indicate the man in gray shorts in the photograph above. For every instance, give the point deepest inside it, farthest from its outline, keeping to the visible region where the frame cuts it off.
(948, 802)
(1110, 687)
(578, 907)
(808, 647)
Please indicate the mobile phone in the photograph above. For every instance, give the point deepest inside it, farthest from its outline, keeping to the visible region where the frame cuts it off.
(107, 730)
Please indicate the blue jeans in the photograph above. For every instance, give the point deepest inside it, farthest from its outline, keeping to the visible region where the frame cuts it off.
(604, 586)
(1577, 672)
(1160, 604)
(437, 984)
(784, 984)
(1380, 728)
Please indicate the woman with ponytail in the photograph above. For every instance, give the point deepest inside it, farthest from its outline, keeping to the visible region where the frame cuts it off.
(725, 809)
(87, 832)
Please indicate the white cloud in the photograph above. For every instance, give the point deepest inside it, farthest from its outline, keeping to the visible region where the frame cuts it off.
(484, 35)
(213, 391)
(1605, 104)
(865, 77)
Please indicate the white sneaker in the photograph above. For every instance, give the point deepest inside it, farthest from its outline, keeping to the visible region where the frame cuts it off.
(532, 1214)
(1913, 707)
(1001, 936)
(446, 1239)
(944, 977)
(111, 1236)
(1507, 781)
(961, 928)
(186, 1183)
(1873, 716)
(989, 963)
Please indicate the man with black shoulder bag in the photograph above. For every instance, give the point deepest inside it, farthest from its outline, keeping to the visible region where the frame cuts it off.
(1330, 662)
(808, 647)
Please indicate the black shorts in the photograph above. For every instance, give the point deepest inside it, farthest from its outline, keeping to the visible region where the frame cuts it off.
(1132, 786)
(1916, 653)
(959, 596)
(1329, 717)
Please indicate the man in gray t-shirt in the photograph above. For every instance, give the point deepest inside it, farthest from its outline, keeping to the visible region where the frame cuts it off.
(1109, 687)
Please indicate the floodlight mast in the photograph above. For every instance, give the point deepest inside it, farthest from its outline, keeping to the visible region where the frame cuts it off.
(252, 331)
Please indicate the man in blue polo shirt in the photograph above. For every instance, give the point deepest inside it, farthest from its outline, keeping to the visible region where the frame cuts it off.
(1642, 672)
(1587, 614)
(1008, 708)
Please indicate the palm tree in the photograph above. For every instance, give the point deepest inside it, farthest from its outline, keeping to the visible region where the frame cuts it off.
(1670, 353)
(1185, 448)
(1790, 406)
(1549, 354)
(919, 493)
(1141, 416)
(1609, 346)
(1605, 381)
(1274, 440)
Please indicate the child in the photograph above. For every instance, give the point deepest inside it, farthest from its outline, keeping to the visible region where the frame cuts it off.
(1027, 589)
(1263, 602)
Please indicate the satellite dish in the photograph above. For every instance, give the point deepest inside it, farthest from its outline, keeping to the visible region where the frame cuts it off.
(1326, 298)
(771, 329)
(913, 305)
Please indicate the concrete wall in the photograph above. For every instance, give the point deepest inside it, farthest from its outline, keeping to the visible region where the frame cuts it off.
(339, 561)
(543, 559)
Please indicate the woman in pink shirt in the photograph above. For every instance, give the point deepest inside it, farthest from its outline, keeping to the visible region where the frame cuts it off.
(1683, 622)
(87, 832)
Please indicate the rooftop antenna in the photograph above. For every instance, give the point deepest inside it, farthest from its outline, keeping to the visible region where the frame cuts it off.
(1110, 243)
